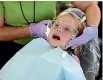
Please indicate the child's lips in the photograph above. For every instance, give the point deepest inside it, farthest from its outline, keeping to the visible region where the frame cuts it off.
(56, 37)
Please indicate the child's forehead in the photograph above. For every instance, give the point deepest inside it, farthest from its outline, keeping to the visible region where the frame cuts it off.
(61, 22)
(66, 18)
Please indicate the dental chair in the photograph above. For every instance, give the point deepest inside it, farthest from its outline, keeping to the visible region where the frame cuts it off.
(89, 59)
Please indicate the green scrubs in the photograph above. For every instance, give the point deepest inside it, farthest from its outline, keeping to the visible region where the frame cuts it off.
(14, 17)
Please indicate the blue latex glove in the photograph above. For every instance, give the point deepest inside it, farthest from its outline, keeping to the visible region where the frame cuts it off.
(39, 29)
(88, 34)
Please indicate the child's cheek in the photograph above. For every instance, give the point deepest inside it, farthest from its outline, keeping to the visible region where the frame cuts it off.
(64, 39)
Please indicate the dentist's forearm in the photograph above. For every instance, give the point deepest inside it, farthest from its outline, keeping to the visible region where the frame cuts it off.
(12, 33)
(93, 15)
(91, 10)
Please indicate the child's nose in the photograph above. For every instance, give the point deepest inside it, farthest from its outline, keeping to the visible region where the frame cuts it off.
(59, 29)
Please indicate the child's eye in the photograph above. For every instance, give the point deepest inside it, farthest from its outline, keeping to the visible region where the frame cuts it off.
(56, 25)
(66, 29)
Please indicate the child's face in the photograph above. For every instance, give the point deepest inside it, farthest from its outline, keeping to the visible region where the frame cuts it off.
(62, 30)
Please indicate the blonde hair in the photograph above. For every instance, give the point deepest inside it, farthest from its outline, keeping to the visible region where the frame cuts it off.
(81, 26)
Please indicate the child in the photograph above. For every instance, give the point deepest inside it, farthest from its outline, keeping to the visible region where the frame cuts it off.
(66, 27)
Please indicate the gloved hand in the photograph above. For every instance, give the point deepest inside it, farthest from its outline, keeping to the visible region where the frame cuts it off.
(88, 34)
(39, 29)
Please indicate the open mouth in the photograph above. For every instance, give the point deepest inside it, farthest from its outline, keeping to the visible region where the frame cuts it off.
(55, 36)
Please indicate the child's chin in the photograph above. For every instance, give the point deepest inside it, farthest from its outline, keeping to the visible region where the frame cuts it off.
(54, 45)
(62, 47)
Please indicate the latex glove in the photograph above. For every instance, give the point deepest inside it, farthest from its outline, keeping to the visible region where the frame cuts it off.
(88, 34)
(39, 29)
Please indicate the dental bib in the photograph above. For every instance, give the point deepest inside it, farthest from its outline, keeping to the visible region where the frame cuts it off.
(38, 60)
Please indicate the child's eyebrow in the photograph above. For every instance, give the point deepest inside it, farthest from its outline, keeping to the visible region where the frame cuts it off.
(65, 23)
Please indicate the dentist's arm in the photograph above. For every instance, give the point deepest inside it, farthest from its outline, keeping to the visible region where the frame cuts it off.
(8, 33)
(91, 10)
